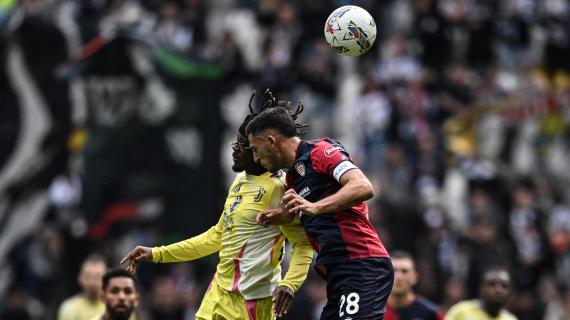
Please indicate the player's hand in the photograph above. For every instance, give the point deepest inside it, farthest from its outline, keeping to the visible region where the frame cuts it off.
(296, 204)
(274, 217)
(282, 298)
(137, 255)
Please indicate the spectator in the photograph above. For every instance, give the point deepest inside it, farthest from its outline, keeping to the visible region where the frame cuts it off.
(403, 303)
(494, 293)
(86, 304)
(119, 294)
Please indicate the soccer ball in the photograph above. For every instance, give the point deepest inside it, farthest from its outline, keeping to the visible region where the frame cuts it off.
(350, 30)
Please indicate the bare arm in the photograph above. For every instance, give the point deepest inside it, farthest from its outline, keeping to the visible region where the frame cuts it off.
(355, 189)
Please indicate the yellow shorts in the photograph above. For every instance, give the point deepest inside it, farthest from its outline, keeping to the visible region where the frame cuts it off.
(220, 304)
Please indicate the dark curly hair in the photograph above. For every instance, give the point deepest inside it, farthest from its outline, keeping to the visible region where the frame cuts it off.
(281, 108)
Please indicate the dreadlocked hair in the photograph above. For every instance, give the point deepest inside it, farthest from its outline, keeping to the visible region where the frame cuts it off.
(269, 102)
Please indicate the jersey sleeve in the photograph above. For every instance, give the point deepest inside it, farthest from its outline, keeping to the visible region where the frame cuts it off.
(191, 249)
(331, 159)
(301, 256)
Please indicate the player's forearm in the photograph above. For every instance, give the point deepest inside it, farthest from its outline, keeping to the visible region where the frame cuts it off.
(190, 249)
(301, 258)
(352, 193)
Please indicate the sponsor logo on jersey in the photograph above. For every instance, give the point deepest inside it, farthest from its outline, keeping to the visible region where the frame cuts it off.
(300, 167)
(333, 149)
(305, 192)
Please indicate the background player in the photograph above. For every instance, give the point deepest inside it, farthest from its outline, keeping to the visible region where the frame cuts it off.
(328, 191)
(494, 294)
(249, 268)
(86, 304)
(119, 295)
(403, 303)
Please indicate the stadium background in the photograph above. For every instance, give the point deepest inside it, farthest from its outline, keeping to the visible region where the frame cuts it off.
(459, 115)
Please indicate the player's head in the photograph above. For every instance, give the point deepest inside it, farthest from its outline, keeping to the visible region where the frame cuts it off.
(242, 155)
(405, 274)
(496, 287)
(90, 276)
(268, 132)
(119, 294)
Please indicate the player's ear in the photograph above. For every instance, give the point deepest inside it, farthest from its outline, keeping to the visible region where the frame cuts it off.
(271, 139)
(414, 277)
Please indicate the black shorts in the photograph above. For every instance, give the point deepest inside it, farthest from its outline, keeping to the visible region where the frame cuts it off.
(358, 289)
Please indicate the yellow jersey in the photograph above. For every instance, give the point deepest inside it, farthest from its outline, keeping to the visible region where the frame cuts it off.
(472, 310)
(79, 308)
(100, 316)
(249, 254)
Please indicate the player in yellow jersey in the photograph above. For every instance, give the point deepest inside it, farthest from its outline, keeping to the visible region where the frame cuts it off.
(494, 293)
(86, 304)
(247, 283)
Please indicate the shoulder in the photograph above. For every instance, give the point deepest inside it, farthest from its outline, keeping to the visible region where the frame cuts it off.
(238, 179)
(70, 306)
(70, 302)
(239, 176)
(275, 180)
(506, 315)
(325, 148)
(464, 306)
(271, 184)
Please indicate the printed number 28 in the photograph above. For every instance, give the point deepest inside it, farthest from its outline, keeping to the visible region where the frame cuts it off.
(351, 303)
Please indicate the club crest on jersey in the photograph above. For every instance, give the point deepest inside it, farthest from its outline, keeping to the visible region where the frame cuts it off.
(332, 150)
(300, 167)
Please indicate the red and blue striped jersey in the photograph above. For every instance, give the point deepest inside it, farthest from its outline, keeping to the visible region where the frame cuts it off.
(337, 236)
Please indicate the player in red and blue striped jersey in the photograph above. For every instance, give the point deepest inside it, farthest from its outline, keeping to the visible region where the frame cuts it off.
(327, 191)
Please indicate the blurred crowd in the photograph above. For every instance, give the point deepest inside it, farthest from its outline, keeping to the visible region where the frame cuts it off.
(459, 115)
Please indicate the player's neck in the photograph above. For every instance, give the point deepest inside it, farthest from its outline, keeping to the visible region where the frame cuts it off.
(91, 300)
(256, 171)
(290, 147)
(401, 301)
(492, 310)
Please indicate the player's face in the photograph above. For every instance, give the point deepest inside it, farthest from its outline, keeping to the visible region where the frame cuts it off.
(90, 278)
(265, 151)
(496, 288)
(240, 151)
(242, 156)
(120, 297)
(405, 276)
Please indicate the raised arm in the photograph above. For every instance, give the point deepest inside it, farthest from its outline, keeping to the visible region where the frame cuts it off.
(355, 189)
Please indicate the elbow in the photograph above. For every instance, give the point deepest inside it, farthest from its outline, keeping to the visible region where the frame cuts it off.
(367, 190)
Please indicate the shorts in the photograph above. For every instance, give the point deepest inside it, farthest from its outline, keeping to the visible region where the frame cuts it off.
(358, 289)
(220, 304)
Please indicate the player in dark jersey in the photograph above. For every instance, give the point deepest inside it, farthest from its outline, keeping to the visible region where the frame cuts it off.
(403, 303)
(327, 191)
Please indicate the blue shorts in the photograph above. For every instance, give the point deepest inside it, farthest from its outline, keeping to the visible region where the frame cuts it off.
(358, 289)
